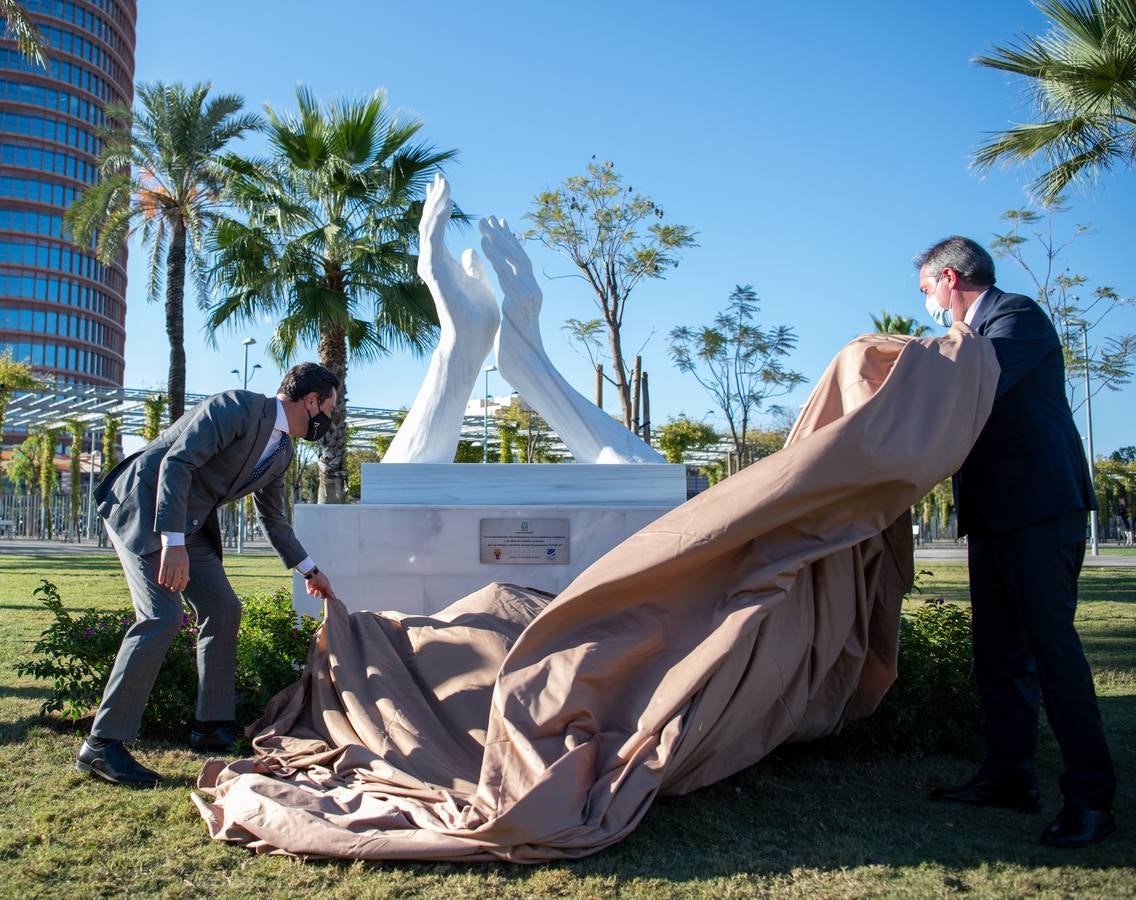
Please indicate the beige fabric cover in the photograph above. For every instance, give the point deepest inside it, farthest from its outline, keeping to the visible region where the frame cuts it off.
(512, 726)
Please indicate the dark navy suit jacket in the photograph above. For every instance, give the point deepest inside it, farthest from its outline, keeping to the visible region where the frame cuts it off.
(1028, 464)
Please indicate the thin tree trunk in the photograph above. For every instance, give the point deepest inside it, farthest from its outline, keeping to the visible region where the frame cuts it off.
(175, 320)
(333, 453)
(646, 395)
(636, 384)
(599, 385)
(621, 386)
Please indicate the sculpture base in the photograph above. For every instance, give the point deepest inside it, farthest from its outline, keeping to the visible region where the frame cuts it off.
(421, 557)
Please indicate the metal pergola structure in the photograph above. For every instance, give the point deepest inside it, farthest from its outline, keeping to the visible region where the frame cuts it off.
(52, 406)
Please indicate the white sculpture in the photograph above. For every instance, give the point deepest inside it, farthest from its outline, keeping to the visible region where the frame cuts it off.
(467, 311)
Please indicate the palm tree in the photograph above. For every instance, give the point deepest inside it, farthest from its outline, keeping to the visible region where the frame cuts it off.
(158, 174)
(326, 248)
(19, 27)
(889, 323)
(1083, 75)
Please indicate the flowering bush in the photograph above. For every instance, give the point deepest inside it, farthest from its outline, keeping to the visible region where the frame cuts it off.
(76, 653)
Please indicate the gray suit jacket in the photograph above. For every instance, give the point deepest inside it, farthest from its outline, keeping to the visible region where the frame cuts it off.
(178, 480)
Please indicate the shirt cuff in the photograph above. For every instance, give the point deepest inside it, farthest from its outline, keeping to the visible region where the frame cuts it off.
(305, 565)
(173, 539)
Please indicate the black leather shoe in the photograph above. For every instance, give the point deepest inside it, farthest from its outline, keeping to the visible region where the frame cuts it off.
(1076, 826)
(981, 791)
(222, 739)
(114, 763)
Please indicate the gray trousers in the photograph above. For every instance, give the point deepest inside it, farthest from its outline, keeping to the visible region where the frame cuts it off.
(158, 616)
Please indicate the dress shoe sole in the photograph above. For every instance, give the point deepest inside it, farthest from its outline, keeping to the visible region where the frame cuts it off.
(88, 769)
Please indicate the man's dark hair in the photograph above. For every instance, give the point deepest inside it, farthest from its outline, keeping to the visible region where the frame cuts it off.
(307, 377)
(967, 257)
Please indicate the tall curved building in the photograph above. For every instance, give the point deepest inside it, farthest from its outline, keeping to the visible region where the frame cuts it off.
(60, 308)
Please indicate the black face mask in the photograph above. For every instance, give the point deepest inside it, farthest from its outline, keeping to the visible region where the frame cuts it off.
(318, 425)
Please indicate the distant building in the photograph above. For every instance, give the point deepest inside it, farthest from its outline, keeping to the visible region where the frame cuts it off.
(60, 309)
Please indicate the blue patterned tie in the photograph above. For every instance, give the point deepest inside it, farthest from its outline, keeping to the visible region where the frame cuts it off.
(261, 467)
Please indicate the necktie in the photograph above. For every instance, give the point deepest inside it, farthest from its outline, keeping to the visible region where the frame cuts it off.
(261, 467)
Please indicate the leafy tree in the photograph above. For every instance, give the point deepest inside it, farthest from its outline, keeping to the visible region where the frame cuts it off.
(523, 430)
(23, 466)
(1083, 82)
(19, 27)
(112, 425)
(739, 363)
(679, 436)
(327, 245)
(1059, 293)
(158, 173)
(153, 407)
(601, 227)
(505, 435)
(1124, 454)
(48, 477)
(467, 452)
(14, 376)
(893, 323)
(78, 431)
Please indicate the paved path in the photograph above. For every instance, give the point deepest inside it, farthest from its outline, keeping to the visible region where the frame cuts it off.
(1108, 559)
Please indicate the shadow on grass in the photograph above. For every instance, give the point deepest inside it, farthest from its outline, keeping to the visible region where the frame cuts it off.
(1112, 585)
(1111, 647)
(25, 691)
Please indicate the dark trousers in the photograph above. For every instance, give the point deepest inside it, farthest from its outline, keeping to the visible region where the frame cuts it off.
(158, 616)
(1023, 586)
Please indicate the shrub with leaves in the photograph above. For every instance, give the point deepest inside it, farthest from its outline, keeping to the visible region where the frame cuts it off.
(933, 707)
(77, 650)
(271, 649)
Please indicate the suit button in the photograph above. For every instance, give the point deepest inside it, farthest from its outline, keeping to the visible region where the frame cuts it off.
(195, 521)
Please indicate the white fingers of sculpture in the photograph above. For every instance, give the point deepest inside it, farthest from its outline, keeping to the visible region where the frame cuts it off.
(468, 315)
(589, 433)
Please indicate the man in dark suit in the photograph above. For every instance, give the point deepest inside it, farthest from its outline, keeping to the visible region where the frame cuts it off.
(1022, 496)
(160, 507)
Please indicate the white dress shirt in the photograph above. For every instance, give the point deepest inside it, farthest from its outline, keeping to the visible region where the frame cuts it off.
(973, 311)
(280, 428)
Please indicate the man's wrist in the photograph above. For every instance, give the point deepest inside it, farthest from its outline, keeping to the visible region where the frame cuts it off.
(173, 539)
(305, 565)
(311, 573)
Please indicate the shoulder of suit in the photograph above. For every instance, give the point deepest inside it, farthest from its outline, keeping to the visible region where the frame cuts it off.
(245, 399)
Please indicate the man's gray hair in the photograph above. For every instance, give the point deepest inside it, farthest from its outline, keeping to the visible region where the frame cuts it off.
(968, 258)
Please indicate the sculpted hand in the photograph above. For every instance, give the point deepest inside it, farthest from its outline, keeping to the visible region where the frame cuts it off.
(462, 293)
(522, 296)
(319, 586)
(173, 571)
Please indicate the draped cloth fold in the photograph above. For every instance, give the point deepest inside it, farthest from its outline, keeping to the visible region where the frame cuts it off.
(520, 727)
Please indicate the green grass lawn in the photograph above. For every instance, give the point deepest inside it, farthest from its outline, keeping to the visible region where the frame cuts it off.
(811, 820)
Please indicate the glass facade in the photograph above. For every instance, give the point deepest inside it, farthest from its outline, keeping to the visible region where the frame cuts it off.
(61, 310)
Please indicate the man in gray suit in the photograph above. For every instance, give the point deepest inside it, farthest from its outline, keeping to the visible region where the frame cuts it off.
(160, 507)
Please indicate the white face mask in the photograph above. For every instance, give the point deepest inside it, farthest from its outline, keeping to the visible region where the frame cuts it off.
(939, 314)
(935, 311)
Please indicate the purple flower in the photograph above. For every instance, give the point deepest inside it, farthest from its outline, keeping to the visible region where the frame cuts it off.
(86, 632)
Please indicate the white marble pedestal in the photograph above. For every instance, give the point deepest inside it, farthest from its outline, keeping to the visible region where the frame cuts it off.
(414, 543)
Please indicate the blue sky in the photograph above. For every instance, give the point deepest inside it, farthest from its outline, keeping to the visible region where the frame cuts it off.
(815, 148)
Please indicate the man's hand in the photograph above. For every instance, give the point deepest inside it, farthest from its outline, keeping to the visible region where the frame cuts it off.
(173, 573)
(319, 586)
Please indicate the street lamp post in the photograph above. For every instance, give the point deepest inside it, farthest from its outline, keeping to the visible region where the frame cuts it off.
(485, 436)
(248, 342)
